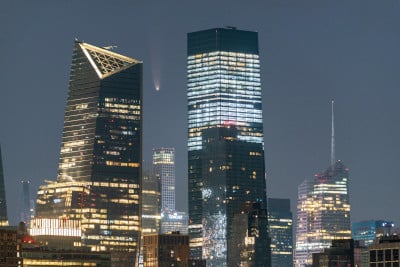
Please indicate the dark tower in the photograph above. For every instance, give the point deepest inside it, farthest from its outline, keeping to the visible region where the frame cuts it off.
(3, 203)
(281, 231)
(226, 147)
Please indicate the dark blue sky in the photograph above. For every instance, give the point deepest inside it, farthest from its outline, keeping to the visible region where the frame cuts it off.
(311, 51)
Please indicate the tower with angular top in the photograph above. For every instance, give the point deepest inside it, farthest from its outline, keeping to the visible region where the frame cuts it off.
(3, 202)
(97, 191)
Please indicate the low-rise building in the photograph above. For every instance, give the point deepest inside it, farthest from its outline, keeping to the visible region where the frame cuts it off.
(340, 254)
(385, 252)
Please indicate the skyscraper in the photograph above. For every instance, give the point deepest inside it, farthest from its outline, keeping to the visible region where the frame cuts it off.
(225, 142)
(25, 205)
(281, 231)
(323, 209)
(3, 202)
(164, 171)
(97, 191)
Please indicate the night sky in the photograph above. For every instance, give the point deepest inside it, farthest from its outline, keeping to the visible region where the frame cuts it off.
(311, 52)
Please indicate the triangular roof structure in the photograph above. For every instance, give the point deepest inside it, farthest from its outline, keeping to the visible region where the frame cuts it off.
(106, 62)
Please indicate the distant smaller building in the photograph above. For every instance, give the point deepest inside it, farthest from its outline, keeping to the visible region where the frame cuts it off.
(281, 232)
(340, 254)
(385, 252)
(162, 250)
(368, 231)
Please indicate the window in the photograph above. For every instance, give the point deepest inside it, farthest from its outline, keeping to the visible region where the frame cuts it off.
(395, 254)
(372, 256)
(387, 255)
(380, 255)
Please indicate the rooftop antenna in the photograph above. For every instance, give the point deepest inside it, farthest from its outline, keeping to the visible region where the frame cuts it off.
(333, 137)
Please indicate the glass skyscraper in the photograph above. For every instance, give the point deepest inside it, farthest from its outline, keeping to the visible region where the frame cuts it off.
(164, 170)
(225, 142)
(323, 212)
(281, 231)
(3, 202)
(97, 192)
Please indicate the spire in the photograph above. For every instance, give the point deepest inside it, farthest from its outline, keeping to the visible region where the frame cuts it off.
(3, 204)
(333, 137)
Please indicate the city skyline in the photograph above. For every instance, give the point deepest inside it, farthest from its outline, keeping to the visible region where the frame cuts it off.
(365, 99)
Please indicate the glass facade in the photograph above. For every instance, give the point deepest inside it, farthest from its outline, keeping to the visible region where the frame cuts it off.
(174, 221)
(323, 212)
(3, 203)
(368, 231)
(100, 156)
(151, 204)
(225, 138)
(281, 231)
(164, 170)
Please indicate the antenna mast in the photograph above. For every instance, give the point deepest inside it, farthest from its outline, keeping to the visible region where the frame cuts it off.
(333, 137)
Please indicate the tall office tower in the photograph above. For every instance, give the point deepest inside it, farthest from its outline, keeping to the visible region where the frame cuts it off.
(225, 142)
(99, 178)
(25, 205)
(3, 203)
(323, 210)
(164, 170)
(368, 231)
(281, 231)
(151, 203)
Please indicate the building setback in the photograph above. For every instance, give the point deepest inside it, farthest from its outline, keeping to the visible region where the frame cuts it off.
(225, 141)
(97, 192)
